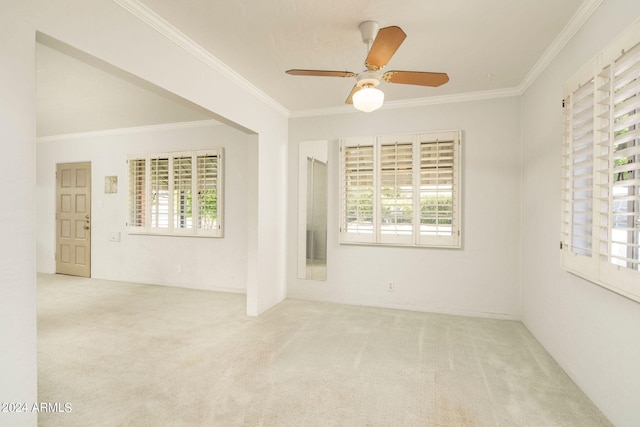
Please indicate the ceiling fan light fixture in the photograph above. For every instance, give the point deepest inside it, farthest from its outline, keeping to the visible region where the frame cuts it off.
(368, 99)
(382, 44)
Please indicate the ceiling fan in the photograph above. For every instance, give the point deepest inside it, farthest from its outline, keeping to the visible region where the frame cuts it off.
(382, 44)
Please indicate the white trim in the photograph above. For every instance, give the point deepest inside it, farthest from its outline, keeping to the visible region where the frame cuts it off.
(149, 17)
(416, 102)
(428, 308)
(128, 131)
(454, 98)
(438, 310)
(575, 23)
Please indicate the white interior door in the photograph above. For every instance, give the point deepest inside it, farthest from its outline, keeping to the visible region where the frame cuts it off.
(73, 219)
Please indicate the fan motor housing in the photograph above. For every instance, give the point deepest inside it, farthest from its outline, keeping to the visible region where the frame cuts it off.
(367, 78)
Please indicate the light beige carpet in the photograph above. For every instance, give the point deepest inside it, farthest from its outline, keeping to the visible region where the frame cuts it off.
(123, 354)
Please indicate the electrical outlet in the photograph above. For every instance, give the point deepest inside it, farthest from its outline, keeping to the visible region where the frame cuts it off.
(391, 287)
(178, 268)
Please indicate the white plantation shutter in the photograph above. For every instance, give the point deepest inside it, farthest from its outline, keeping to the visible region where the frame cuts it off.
(439, 195)
(396, 190)
(209, 191)
(182, 211)
(176, 193)
(137, 193)
(401, 190)
(602, 161)
(579, 152)
(582, 138)
(159, 193)
(625, 185)
(358, 197)
(601, 169)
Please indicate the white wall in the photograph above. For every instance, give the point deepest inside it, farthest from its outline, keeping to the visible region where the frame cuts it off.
(206, 263)
(480, 279)
(593, 333)
(17, 214)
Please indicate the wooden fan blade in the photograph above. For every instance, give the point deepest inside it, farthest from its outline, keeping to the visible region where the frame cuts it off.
(415, 78)
(350, 97)
(384, 46)
(321, 73)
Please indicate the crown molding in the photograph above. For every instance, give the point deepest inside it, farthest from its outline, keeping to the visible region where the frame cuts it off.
(128, 131)
(454, 98)
(576, 22)
(146, 15)
(417, 102)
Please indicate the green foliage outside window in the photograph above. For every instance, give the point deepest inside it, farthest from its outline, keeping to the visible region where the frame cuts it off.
(436, 210)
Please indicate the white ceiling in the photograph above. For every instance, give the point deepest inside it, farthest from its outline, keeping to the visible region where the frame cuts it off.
(484, 45)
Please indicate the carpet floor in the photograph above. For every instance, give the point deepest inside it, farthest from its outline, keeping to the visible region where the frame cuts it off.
(125, 354)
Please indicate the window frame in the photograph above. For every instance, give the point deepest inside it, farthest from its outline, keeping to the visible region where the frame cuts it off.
(161, 219)
(389, 173)
(599, 263)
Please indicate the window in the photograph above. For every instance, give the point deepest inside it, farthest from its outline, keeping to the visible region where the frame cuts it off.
(401, 190)
(176, 193)
(601, 169)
